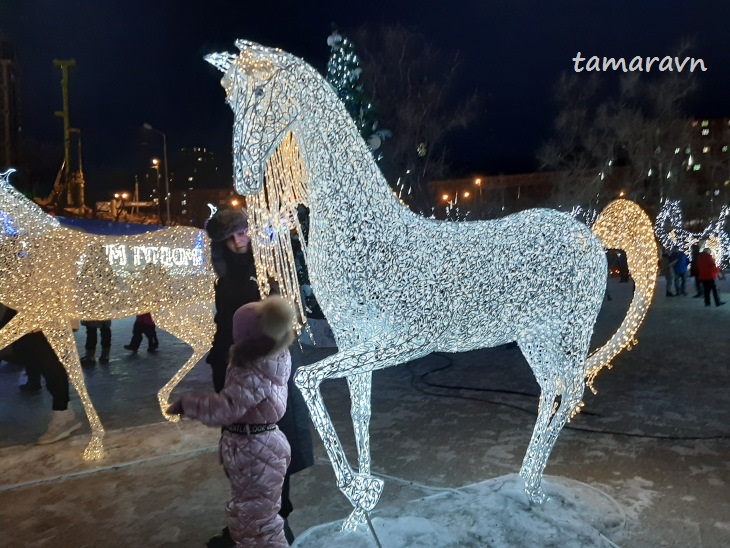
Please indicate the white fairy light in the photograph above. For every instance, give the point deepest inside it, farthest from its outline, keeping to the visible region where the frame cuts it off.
(395, 286)
(671, 234)
(54, 275)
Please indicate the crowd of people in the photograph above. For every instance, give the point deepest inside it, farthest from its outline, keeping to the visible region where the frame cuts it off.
(676, 267)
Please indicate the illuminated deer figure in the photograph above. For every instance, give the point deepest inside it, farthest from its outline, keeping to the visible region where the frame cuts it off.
(53, 275)
(396, 286)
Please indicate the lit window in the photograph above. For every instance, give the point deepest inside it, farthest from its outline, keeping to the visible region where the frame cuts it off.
(676, 151)
(190, 178)
(705, 132)
(184, 211)
(705, 150)
(697, 167)
(705, 123)
(183, 202)
(724, 149)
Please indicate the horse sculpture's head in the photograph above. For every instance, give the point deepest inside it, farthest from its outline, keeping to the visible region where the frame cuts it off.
(265, 105)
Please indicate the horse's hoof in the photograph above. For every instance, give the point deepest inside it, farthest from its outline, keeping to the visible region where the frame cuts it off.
(171, 418)
(95, 449)
(353, 521)
(536, 495)
(363, 491)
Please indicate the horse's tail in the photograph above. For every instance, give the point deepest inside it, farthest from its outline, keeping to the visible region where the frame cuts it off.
(624, 225)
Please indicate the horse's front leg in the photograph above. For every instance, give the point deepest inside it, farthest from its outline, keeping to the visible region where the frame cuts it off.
(362, 490)
(62, 341)
(360, 391)
(194, 327)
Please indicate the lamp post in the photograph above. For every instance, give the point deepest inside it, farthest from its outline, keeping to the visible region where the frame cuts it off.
(149, 127)
(156, 167)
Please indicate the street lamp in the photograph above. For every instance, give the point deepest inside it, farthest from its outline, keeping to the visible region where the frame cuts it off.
(149, 127)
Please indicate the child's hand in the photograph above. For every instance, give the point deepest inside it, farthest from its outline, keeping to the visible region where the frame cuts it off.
(175, 408)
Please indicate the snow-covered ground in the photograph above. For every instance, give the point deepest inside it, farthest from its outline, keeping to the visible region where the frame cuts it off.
(646, 464)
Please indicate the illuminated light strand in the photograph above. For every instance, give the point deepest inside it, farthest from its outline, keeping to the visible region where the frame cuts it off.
(671, 234)
(272, 217)
(54, 275)
(395, 286)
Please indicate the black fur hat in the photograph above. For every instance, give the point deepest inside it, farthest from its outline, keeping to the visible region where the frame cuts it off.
(225, 223)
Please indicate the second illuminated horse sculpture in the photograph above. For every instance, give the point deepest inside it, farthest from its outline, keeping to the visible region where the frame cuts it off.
(54, 275)
(396, 286)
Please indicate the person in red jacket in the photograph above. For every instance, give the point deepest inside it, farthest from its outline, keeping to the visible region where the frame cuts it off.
(255, 454)
(707, 273)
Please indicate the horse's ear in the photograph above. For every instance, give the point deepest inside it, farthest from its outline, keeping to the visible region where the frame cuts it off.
(221, 61)
(244, 45)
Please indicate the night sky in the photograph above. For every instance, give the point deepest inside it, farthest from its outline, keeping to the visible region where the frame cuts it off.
(142, 61)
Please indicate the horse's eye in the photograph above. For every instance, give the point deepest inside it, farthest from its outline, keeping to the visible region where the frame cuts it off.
(258, 93)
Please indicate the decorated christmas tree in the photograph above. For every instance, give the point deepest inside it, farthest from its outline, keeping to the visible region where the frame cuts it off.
(343, 72)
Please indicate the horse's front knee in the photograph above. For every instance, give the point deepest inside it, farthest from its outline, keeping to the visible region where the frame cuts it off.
(305, 379)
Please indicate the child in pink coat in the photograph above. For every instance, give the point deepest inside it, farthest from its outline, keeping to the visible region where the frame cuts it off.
(254, 452)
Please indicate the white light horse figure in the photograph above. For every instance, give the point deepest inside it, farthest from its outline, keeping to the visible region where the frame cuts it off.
(53, 275)
(396, 286)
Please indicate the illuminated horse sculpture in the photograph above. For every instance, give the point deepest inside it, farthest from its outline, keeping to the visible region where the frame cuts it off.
(396, 286)
(671, 233)
(53, 275)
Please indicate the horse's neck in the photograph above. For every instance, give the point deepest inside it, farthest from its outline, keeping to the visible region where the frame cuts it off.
(19, 213)
(344, 180)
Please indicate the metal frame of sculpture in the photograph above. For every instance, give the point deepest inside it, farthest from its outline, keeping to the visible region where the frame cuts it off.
(670, 232)
(54, 275)
(396, 286)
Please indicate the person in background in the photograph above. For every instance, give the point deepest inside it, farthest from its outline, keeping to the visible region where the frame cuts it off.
(143, 325)
(105, 327)
(233, 263)
(667, 268)
(255, 454)
(36, 353)
(693, 271)
(707, 273)
(681, 262)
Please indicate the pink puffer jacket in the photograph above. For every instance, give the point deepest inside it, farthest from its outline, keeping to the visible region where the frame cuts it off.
(252, 395)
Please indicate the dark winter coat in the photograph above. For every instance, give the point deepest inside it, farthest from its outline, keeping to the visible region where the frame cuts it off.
(236, 286)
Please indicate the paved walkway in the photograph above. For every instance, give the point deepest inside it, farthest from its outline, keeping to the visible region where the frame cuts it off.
(655, 439)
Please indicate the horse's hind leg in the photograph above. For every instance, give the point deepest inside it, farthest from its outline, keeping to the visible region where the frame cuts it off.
(63, 343)
(362, 490)
(557, 375)
(360, 392)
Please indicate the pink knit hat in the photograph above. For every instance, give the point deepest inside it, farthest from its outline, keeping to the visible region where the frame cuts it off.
(262, 328)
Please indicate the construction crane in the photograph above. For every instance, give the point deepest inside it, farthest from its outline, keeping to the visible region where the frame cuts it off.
(68, 193)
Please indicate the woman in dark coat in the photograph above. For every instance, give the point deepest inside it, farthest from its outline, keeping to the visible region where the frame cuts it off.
(233, 262)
